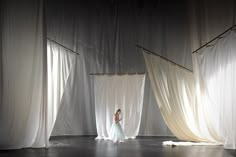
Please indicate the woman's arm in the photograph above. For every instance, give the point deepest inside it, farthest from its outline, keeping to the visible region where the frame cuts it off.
(120, 119)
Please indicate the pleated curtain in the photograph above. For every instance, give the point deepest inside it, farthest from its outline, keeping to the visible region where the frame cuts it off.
(23, 75)
(118, 91)
(200, 105)
(76, 115)
(174, 90)
(60, 64)
(215, 70)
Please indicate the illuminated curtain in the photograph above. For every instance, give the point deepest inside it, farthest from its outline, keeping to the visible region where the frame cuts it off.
(175, 92)
(76, 115)
(60, 64)
(199, 106)
(215, 69)
(23, 73)
(113, 92)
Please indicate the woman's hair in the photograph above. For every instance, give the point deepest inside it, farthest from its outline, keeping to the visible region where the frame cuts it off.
(118, 110)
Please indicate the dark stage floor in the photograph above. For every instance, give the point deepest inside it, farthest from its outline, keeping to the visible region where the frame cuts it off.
(140, 147)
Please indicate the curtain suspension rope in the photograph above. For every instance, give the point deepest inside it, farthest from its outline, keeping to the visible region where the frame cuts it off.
(62, 46)
(150, 52)
(218, 37)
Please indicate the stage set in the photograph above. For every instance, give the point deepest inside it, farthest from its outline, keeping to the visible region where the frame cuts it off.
(118, 78)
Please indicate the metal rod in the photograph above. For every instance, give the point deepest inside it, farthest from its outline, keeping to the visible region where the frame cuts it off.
(162, 57)
(136, 73)
(219, 36)
(62, 46)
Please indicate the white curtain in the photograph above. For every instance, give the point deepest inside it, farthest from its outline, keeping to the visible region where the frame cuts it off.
(175, 92)
(76, 115)
(199, 107)
(113, 92)
(60, 64)
(215, 68)
(23, 72)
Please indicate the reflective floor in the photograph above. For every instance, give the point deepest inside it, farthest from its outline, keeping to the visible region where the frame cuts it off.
(140, 147)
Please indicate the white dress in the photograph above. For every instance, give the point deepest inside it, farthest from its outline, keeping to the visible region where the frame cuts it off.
(116, 133)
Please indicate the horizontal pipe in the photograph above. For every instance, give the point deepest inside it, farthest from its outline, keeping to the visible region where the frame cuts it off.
(62, 46)
(141, 73)
(219, 36)
(150, 52)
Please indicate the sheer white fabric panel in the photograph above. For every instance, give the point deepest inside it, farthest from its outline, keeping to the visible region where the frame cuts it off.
(60, 64)
(113, 92)
(175, 92)
(76, 115)
(22, 109)
(216, 69)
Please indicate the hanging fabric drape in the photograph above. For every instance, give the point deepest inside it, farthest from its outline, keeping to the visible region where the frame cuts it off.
(215, 69)
(113, 92)
(175, 92)
(76, 116)
(60, 64)
(22, 104)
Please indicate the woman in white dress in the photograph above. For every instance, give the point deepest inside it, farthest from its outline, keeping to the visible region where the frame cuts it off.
(116, 133)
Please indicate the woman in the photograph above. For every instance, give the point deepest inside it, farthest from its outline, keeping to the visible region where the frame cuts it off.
(116, 133)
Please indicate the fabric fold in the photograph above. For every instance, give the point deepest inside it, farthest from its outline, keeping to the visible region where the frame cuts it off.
(113, 92)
